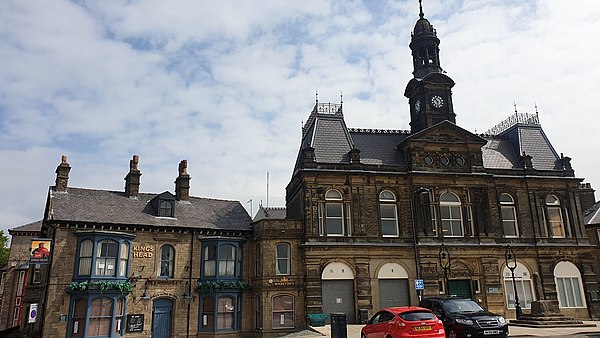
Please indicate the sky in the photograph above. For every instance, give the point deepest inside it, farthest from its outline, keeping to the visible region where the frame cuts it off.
(227, 85)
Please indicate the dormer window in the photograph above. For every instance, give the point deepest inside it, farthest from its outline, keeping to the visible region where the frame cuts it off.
(164, 205)
(165, 209)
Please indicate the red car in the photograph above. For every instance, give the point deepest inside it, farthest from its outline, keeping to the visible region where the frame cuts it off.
(404, 322)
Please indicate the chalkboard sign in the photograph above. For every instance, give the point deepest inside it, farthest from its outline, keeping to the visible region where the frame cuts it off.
(135, 323)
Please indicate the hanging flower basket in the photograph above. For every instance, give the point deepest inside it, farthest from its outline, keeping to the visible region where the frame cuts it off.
(124, 287)
(214, 285)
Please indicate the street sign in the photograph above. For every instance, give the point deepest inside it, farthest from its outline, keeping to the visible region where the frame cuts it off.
(419, 284)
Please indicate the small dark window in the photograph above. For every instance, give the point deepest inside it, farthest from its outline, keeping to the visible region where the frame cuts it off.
(165, 209)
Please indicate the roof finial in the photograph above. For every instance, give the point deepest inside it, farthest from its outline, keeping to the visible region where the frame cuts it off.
(421, 15)
(341, 97)
(316, 96)
(515, 104)
(535, 105)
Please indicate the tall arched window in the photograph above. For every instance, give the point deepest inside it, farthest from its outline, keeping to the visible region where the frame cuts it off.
(106, 258)
(523, 284)
(210, 260)
(226, 260)
(568, 285)
(282, 259)
(165, 209)
(388, 214)
(167, 261)
(85, 257)
(554, 216)
(334, 215)
(509, 216)
(451, 215)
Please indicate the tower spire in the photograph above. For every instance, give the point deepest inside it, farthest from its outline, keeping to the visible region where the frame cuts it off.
(421, 15)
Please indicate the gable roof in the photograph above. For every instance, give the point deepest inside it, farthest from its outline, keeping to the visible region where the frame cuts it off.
(114, 207)
(33, 227)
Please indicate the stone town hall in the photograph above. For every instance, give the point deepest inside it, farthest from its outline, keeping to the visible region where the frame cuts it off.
(368, 212)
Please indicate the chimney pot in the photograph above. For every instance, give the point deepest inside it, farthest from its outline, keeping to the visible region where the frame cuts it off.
(132, 180)
(62, 175)
(182, 183)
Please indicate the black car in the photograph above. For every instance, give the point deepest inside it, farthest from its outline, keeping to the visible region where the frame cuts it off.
(463, 317)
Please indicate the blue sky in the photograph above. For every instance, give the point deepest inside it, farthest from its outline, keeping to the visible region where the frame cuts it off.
(227, 85)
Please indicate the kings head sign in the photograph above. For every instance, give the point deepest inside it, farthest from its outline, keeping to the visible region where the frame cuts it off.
(143, 251)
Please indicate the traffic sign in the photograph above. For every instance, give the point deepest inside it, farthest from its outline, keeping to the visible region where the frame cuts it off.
(419, 284)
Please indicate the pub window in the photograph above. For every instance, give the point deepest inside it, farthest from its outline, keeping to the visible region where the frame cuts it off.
(554, 216)
(451, 215)
(102, 257)
(282, 259)
(283, 312)
(388, 214)
(220, 312)
(221, 260)
(509, 216)
(167, 261)
(104, 316)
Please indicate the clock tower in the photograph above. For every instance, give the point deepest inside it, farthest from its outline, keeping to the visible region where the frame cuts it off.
(429, 93)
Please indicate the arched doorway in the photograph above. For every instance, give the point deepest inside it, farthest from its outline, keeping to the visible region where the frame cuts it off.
(522, 283)
(337, 290)
(393, 286)
(162, 318)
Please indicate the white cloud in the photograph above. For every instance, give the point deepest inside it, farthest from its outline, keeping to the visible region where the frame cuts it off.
(227, 84)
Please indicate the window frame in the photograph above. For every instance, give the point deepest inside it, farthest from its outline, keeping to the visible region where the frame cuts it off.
(388, 201)
(334, 202)
(213, 313)
(169, 261)
(451, 207)
(286, 260)
(286, 313)
(570, 295)
(554, 209)
(236, 260)
(122, 259)
(523, 283)
(117, 311)
(509, 206)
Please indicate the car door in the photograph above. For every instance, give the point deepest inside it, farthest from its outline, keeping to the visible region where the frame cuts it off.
(378, 325)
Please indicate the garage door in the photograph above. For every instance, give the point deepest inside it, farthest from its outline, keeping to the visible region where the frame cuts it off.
(338, 296)
(393, 292)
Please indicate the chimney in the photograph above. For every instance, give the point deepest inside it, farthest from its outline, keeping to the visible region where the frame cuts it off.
(586, 195)
(182, 183)
(62, 175)
(132, 180)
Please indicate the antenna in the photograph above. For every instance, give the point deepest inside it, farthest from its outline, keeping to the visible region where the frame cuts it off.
(267, 188)
(515, 104)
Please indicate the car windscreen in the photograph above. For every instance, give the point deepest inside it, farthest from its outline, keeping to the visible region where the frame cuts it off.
(417, 316)
(461, 305)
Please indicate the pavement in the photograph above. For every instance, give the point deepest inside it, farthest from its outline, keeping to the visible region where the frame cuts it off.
(353, 331)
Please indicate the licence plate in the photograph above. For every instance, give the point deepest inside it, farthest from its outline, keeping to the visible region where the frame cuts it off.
(490, 332)
(422, 328)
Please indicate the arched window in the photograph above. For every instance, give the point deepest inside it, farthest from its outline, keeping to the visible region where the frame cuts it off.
(85, 257)
(334, 215)
(102, 254)
(509, 216)
(165, 208)
(283, 312)
(451, 215)
(388, 214)
(554, 216)
(523, 284)
(124, 259)
(282, 259)
(568, 285)
(167, 261)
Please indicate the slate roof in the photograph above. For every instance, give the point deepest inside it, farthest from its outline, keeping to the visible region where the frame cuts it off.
(114, 207)
(270, 213)
(332, 141)
(591, 216)
(29, 227)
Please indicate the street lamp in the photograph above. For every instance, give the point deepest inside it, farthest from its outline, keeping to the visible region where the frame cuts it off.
(419, 192)
(444, 256)
(511, 264)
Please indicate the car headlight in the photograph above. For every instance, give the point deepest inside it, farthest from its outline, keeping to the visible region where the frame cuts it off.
(464, 321)
(501, 320)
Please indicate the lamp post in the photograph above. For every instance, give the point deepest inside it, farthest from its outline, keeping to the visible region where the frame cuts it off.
(418, 192)
(444, 256)
(511, 263)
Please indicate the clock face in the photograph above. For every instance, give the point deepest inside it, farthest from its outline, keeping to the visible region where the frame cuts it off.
(418, 106)
(437, 101)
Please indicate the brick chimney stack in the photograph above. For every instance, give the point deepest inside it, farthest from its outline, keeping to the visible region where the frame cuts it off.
(132, 180)
(62, 175)
(182, 183)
